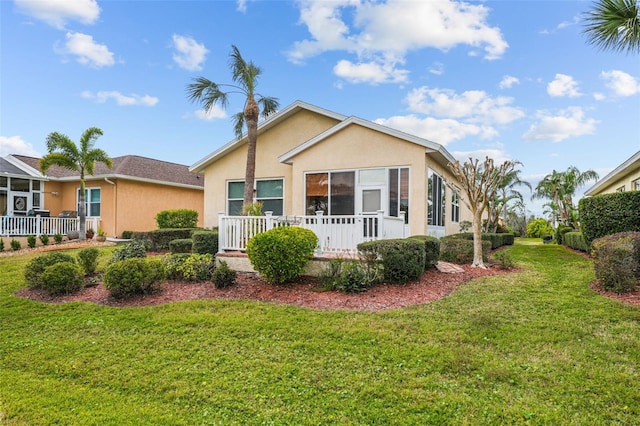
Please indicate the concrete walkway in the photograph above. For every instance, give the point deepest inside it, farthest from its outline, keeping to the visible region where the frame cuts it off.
(448, 268)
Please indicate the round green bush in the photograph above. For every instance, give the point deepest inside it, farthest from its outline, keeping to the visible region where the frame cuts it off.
(281, 254)
(135, 248)
(34, 269)
(223, 276)
(62, 278)
(88, 259)
(133, 276)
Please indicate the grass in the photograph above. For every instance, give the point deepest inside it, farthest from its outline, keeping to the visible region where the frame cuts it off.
(533, 347)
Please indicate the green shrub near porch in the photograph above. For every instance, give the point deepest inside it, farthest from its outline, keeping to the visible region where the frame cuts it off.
(402, 260)
(460, 250)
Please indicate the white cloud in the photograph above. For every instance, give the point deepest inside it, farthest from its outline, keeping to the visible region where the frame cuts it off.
(213, 114)
(189, 53)
(599, 96)
(121, 100)
(442, 131)
(87, 51)
(508, 81)
(16, 145)
(499, 156)
(58, 12)
(437, 68)
(621, 83)
(370, 72)
(563, 85)
(383, 32)
(568, 123)
(473, 105)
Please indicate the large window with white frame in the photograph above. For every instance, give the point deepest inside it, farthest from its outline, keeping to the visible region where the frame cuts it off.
(435, 199)
(636, 185)
(399, 192)
(330, 192)
(270, 192)
(92, 201)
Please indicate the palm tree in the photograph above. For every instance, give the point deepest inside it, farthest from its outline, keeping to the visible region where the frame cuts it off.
(64, 153)
(245, 76)
(506, 193)
(560, 188)
(614, 25)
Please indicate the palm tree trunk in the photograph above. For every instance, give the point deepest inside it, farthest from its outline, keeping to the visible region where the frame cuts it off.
(251, 113)
(82, 211)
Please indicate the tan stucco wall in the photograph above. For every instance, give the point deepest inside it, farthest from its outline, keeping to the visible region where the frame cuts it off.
(127, 205)
(271, 144)
(354, 147)
(631, 175)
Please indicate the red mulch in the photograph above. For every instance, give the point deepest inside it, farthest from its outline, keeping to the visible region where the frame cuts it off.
(306, 292)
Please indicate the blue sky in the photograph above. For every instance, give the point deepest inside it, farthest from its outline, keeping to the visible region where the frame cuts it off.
(509, 79)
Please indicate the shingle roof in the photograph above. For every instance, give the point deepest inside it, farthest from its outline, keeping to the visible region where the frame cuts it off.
(128, 166)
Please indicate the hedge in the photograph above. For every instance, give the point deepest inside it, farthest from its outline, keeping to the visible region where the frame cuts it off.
(616, 259)
(205, 242)
(609, 214)
(159, 239)
(402, 259)
(431, 250)
(178, 218)
(460, 250)
(575, 240)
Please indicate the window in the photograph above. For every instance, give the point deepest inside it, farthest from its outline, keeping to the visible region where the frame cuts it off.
(4, 181)
(270, 192)
(455, 207)
(36, 197)
(636, 185)
(332, 192)
(620, 189)
(435, 199)
(399, 192)
(91, 201)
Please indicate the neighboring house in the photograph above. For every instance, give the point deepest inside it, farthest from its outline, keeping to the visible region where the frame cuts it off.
(311, 159)
(625, 177)
(126, 197)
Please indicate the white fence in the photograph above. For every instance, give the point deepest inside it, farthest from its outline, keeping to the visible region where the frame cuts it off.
(37, 225)
(336, 234)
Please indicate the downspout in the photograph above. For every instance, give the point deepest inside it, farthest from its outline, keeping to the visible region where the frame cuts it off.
(115, 204)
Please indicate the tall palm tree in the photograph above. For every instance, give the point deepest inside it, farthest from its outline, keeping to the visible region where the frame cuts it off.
(64, 153)
(614, 25)
(245, 76)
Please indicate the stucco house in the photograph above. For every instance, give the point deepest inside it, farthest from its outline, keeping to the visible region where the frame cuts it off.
(625, 177)
(124, 198)
(309, 159)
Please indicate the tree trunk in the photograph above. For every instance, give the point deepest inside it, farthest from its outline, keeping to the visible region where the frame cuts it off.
(477, 241)
(251, 115)
(82, 211)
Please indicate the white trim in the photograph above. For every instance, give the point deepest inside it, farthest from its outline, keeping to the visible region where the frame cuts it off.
(613, 174)
(126, 177)
(34, 173)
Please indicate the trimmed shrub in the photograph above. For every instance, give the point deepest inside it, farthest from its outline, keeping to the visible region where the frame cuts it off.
(508, 238)
(188, 267)
(15, 244)
(134, 248)
(205, 242)
(281, 254)
(34, 269)
(460, 250)
(182, 245)
(88, 259)
(609, 214)
(44, 239)
(350, 275)
(560, 231)
(575, 240)
(223, 276)
(178, 218)
(431, 250)
(402, 260)
(616, 259)
(31, 241)
(127, 235)
(62, 278)
(134, 276)
(58, 238)
(159, 239)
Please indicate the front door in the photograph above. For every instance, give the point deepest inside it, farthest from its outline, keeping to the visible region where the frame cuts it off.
(20, 203)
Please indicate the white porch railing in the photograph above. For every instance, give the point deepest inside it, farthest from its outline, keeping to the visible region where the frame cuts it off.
(336, 234)
(37, 225)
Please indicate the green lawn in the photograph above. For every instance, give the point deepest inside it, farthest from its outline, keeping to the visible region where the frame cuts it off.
(533, 347)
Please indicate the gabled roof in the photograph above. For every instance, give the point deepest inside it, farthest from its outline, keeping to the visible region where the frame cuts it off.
(442, 155)
(130, 167)
(262, 127)
(616, 174)
(10, 166)
(430, 147)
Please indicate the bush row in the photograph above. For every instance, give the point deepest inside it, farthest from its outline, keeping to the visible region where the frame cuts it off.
(575, 240)
(60, 273)
(609, 214)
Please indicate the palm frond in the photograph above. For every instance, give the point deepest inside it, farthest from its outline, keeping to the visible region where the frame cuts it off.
(268, 105)
(238, 123)
(614, 25)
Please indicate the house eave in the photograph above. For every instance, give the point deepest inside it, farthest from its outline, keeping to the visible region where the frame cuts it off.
(613, 175)
(127, 177)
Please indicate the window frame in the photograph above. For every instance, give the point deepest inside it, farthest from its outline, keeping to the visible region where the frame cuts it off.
(436, 199)
(87, 200)
(257, 198)
(455, 207)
